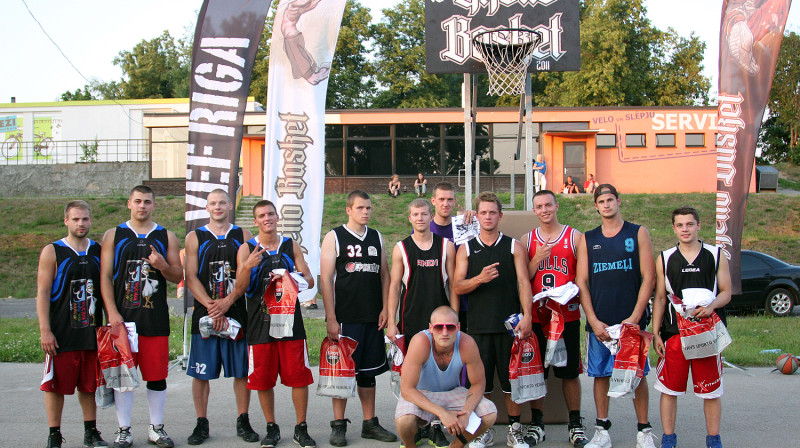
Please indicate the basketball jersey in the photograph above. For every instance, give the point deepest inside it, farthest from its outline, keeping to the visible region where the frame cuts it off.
(423, 287)
(257, 312)
(216, 270)
(491, 303)
(558, 270)
(434, 379)
(680, 274)
(614, 275)
(139, 289)
(76, 306)
(358, 292)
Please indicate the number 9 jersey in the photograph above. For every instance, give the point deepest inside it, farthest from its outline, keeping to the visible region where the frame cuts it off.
(557, 270)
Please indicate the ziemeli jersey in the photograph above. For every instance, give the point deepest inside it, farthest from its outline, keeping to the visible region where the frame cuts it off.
(558, 270)
(75, 303)
(139, 289)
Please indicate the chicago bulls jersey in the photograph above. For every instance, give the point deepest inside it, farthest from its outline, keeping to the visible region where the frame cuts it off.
(557, 270)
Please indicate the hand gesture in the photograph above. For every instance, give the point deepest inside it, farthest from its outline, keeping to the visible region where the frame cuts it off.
(488, 273)
(254, 258)
(156, 260)
(542, 252)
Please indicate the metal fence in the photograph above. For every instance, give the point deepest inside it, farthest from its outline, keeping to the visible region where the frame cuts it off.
(47, 151)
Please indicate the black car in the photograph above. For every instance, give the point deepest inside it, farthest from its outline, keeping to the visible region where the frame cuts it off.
(767, 283)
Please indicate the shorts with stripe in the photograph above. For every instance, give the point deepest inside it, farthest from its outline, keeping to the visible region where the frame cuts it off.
(370, 354)
(287, 358)
(572, 340)
(672, 372)
(71, 370)
(599, 360)
(452, 400)
(153, 357)
(495, 351)
(208, 357)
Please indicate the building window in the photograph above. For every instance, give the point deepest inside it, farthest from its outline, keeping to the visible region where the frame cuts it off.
(695, 140)
(635, 140)
(369, 157)
(168, 146)
(334, 157)
(606, 140)
(665, 140)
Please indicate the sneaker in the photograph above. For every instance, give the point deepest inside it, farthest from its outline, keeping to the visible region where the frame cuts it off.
(200, 432)
(313, 306)
(669, 440)
(516, 436)
(124, 438)
(534, 435)
(485, 439)
(645, 438)
(713, 441)
(436, 436)
(157, 436)
(338, 431)
(92, 439)
(601, 439)
(55, 439)
(371, 429)
(273, 436)
(302, 438)
(244, 430)
(577, 435)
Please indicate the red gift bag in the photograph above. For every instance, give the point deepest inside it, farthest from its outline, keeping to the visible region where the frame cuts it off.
(396, 355)
(281, 300)
(337, 370)
(630, 361)
(525, 371)
(115, 359)
(556, 351)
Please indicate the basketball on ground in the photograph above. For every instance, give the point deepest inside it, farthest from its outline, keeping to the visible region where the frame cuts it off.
(787, 364)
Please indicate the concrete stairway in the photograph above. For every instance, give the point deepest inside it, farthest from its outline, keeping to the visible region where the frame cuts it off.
(244, 213)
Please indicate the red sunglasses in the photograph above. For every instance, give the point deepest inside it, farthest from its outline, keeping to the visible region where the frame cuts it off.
(451, 328)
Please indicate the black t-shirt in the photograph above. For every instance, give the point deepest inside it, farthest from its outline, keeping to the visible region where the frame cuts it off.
(357, 291)
(423, 287)
(216, 270)
(139, 289)
(491, 303)
(75, 303)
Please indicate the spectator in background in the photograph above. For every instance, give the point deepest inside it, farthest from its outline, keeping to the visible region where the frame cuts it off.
(394, 186)
(539, 171)
(570, 187)
(590, 184)
(420, 185)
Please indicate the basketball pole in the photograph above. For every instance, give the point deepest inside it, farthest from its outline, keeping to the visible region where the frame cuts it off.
(528, 164)
(469, 138)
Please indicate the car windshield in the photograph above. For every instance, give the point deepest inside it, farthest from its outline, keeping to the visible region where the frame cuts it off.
(772, 260)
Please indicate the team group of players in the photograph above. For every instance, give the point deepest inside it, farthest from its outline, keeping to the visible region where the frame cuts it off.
(484, 281)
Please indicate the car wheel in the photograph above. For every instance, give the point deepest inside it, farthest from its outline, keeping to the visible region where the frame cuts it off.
(779, 302)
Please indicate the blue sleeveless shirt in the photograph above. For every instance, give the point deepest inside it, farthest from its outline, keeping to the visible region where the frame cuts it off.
(433, 379)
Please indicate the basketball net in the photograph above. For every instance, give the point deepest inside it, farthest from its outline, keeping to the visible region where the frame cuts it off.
(507, 53)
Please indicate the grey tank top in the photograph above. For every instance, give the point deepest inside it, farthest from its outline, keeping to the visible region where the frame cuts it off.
(433, 379)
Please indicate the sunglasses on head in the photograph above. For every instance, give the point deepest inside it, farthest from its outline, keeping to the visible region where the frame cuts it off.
(438, 328)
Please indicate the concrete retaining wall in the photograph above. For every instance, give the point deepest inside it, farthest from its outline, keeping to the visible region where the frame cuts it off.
(76, 179)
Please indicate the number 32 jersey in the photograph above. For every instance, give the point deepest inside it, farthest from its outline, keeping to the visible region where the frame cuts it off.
(357, 289)
(557, 270)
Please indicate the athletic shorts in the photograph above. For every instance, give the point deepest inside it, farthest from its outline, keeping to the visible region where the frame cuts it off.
(370, 354)
(673, 372)
(599, 361)
(287, 358)
(572, 340)
(153, 357)
(209, 355)
(495, 351)
(452, 400)
(67, 371)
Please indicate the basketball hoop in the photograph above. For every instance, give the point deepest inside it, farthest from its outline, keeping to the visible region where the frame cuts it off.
(507, 53)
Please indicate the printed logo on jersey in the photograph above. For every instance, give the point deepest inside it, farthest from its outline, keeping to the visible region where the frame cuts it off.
(597, 247)
(630, 246)
(362, 267)
(139, 287)
(690, 269)
(428, 263)
(372, 251)
(555, 263)
(621, 265)
(220, 281)
(82, 303)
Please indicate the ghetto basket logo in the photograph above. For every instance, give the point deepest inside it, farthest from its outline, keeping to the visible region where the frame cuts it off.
(527, 352)
(333, 355)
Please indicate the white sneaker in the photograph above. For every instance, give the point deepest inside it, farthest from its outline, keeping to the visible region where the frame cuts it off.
(124, 438)
(645, 438)
(485, 439)
(601, 439)
(157, 436)
(516, 436)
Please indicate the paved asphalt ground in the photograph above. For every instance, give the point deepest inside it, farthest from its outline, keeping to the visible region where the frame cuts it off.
(760, 409)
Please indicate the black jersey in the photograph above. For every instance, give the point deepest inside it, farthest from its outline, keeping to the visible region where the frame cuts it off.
(257, 313)
(423, 288)
(216, 270)
(140, 291)
(75, 303)
(358, 293)
(680, 274)
(491, 303)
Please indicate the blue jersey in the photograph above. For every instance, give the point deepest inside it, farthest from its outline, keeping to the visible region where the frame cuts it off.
(614, 274)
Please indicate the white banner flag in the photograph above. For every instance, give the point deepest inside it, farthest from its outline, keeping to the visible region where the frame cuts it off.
(303, 41)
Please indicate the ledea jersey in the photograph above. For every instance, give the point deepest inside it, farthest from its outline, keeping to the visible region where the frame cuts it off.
(217, 271)
(423, 288)
(491, 303)
(357, 288)
(557, 270)
(139, 289)
(75, 302)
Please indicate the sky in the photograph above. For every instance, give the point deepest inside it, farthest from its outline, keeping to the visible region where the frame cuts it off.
(92, 33)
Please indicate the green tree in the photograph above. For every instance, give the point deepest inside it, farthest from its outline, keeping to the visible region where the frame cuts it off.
(352, 80)
(779, 137)
(78, 95)
(156, 68)
(260, 76)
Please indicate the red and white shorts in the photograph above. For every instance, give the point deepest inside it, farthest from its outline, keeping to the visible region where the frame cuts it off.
(153, 357)
(673, 372)
(287, 358)
(67, 371)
